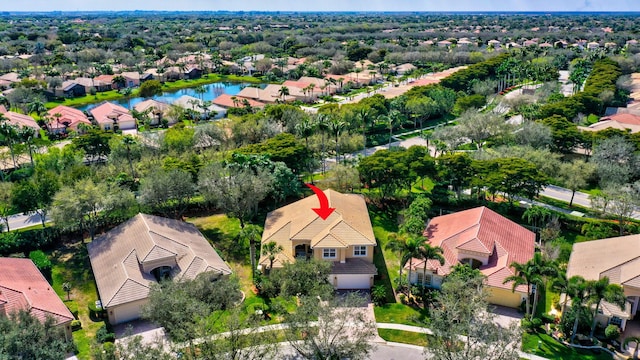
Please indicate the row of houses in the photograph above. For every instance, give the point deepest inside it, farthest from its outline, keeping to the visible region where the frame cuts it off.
(130, 258)
(465, 43)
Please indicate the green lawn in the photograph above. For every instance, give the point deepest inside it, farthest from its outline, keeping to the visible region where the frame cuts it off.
(71, 264)
(552, 349)
(405, 337)
(399, 314)
(383, 224)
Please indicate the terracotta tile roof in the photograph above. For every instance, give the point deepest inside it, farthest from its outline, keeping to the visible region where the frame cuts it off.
(107, 112)
(226, 101)
(118, 257)
(21, 120)
(617, 258)
(479, 232)
(630, 119)
(23, 287)
(3, 110)
(348, 225)
(72, 116)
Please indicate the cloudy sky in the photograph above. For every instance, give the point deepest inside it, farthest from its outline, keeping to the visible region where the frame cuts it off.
(324, 5)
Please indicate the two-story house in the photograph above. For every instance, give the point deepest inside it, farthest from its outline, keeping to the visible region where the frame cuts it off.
(345, 238)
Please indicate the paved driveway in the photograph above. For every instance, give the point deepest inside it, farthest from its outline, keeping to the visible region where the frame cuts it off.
(505, 315)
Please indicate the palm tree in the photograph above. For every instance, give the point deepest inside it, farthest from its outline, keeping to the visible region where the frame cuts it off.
(600, 290)
(119, 81)
(560, 284)
(536, 215)
(283, 92)
(364, 116)
(336, 126)
(271, 250)
(533, 272)
(126, 92)
(305, 129)
(579, 294)
(37, 106)
(630, 339)
(252, 234)
(392, 119)
(408, 247)
(428, 252)
(322, 124)
(200, 90)
(235, 101)
(128, 141)
(8, 135)
(27, 135)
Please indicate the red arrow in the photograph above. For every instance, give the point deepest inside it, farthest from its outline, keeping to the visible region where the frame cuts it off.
(324, 211)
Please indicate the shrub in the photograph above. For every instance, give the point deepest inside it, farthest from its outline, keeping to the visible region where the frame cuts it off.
(76, 325)
(103, 335)
(403, 298)
(612, 332)
(379, 295)
(547, 319)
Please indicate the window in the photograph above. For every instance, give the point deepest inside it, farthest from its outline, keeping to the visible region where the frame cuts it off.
(615, 321)
(424, 279)
(359, 251)
(328, 253)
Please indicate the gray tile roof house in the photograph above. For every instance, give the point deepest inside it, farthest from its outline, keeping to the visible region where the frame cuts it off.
(127, 260)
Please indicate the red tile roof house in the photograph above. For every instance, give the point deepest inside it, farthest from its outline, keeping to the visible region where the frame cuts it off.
(23, 287)
(63, 117)
(20, 120)
(483, 239)
(109, 115)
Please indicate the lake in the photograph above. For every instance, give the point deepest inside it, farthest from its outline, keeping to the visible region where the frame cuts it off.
(213, 91)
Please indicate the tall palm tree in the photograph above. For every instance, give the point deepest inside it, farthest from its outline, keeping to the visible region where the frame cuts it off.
(579, 293)
(200, 90)
(630, 339)
(600, 290)
(271, 250)
(284, 92)
(128, 141)
(305, 129)
(322, 124)
(533, 272)
(8, 136)
(392, 119)
(252, 234)
(428, 252)
(408, 247)
(336, 126)
(560, 284)
(364, 116)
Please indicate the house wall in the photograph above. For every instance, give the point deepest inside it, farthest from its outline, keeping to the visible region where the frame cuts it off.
(127, 125)
(125, 312)
(504, 297)
(369, 257)
(436, 280)
(340, 254)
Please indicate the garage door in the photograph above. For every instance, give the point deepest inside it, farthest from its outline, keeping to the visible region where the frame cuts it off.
(126, 312)
(353, 281)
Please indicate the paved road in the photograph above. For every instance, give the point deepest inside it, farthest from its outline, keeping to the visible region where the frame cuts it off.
(22, 221)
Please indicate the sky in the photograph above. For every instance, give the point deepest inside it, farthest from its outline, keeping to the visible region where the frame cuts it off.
(323, 5)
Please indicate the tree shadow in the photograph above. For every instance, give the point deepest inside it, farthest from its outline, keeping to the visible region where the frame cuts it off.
(232, 247)
(383, 275)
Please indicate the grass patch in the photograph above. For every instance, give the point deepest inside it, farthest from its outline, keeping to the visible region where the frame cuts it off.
(89, 99)
(405, 337)
(71, 264)
(400, 314)
(383, 224)
(563, 205)
(552, 349)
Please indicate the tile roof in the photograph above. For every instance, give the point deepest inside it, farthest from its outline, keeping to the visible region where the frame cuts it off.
(108, 112)
(23, 287)
(348, 225)
(119, 256)
(354, 267)
(226, 101)
(616, 258)
(21, 120)
(483, 233)
(151, 103)
(69, 115)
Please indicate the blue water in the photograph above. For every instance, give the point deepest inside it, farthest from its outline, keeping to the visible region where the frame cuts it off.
(213, 91)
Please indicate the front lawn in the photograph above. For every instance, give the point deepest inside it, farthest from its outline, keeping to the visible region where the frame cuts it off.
(546, 346)
(400, 314)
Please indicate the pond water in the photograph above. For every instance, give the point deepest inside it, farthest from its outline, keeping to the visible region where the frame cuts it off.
(213, 90)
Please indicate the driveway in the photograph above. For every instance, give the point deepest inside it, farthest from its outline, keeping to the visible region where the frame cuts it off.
(505, 316)
(149, 331)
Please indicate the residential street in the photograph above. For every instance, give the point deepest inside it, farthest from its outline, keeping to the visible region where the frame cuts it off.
(20, 221)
